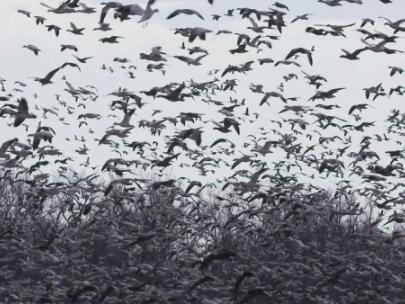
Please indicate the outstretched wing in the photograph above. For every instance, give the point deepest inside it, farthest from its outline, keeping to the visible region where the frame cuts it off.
(74, 65)
(22, 105)
(106, 8)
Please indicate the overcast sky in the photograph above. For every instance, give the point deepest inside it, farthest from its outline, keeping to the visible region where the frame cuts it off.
(18, 63)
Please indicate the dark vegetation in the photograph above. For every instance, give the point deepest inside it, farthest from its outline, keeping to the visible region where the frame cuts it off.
(152, 247)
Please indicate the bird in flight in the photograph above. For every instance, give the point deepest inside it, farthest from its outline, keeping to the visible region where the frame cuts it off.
(22, 112)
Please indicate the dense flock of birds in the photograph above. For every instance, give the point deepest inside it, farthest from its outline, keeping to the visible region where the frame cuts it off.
(303, 142)
(234, 210)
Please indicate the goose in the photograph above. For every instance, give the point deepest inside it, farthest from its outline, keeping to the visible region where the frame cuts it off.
(61, 9)
(193, 33)
(22, 112)
(191, 61)
(24, 12)
(366, 21)
(185, 12)
(395, 25)
(149, 12)
(32, 48)
(125, 123)
(197, 49)
(121, 11)
(104, 27)
(47, 79)
(82, 59)
(395, 70)
(5, 146)
(106, 8)
(54, 28)
(72, 3)
(301, 50)
(267, 95)
(354, 55)
(111, 39)
(68, 47)
(325, 94)
(174, 95)
(287, 62)
(301, 17)
(75, 30)
(39, 20)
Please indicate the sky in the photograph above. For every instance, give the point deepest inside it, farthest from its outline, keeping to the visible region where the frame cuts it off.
(20, 64)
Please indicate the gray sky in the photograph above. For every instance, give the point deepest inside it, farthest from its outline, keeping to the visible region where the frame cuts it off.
(20, 64)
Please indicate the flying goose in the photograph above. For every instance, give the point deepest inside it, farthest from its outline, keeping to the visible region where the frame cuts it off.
(301, 17)
(39, 20)
(32, 48)
(68, 47)
(193, 32)
(4, 147)
(123, 11)
(75, 30)
(185, 11)
(22, 112)
(301, 50)
(55, 28)
(149, 12)
(191, 61)
(111, 39)
(24, 12)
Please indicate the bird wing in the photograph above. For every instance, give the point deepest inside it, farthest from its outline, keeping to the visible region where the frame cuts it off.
(291, 53)
(70, 64)
(22, 106)
(173, 14)
(18, 121)
(150, 3)
(106, 8)
(47, 6)
(198, 15)
(309, 55)
(7, 144)
(264, 99)
(198, 59)
(51, 74)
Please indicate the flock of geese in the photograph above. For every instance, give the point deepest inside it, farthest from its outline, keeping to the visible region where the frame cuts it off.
(304, 141)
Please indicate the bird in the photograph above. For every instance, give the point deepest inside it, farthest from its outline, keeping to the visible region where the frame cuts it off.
(55, 28)
(111, 39)
(354, 55)
(22, 112)
(47, 79)
(185, 12)
(24, 12)
(193, 33)
(68, 47)
(122, 12)
(394, 70)
(39, 20)
(104, 27)
(300, 50)
(75, 30)
(149, 12)
(32, 48)
(301, 17)
(191, 61)
(5, 146)
(267, 95)
(82, 59)
(395, 25)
